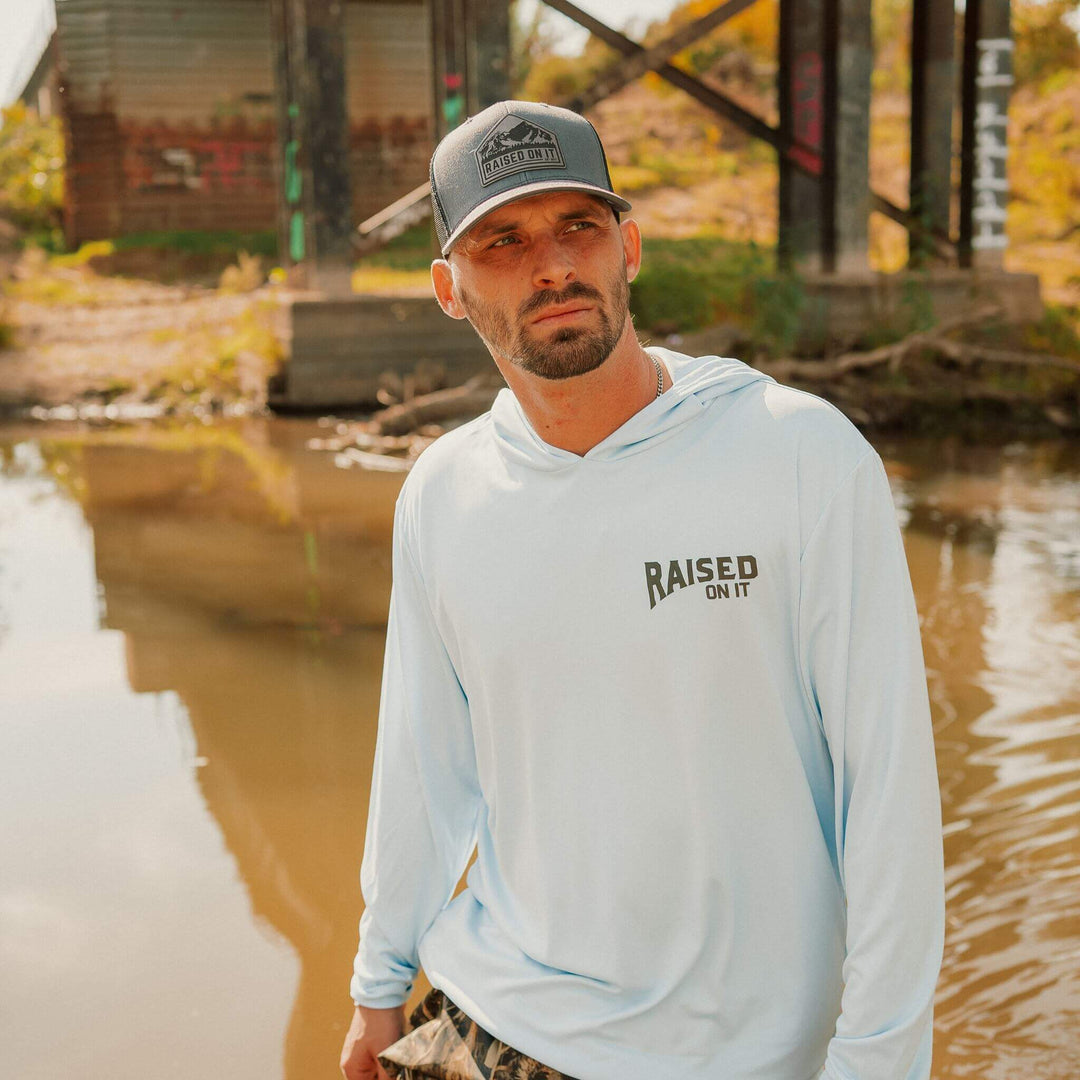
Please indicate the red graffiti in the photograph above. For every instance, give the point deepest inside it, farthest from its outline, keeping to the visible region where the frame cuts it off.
(160, 157)
(224, 162)
(808, 110)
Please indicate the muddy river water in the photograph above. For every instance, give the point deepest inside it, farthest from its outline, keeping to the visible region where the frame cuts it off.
(190, 644)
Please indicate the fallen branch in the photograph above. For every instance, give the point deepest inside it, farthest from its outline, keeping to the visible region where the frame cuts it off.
(934, 340)
(469, 399)
(379, 462)
(396, 435)
(966, 355)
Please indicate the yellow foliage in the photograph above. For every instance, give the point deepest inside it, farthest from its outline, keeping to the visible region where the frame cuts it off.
(377, 279)
(754, 31)
(629, 178)
(82, 257)
(1044, 160)
(246, 276)
(31, 167)
(1045, 42)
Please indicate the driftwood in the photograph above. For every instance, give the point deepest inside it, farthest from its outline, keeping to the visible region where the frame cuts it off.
(966, 355)
(395, 436)
(894, 354)
(469, 399)
(934, 340)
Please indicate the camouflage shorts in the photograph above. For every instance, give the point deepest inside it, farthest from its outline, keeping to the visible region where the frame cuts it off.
(446, 1044)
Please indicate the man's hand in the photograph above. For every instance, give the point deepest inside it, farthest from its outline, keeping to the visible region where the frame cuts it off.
(370, 1033)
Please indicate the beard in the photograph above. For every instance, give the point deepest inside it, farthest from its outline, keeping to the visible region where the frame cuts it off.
(570, 350)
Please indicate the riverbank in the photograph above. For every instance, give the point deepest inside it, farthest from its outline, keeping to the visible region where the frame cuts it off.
(83, 345)
(78, 340)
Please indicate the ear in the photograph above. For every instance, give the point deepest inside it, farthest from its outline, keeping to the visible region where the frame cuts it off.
(442, 278)
(631, 238)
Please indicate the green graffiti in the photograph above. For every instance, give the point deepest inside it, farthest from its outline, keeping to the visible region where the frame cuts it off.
(296, 236)
(453, 107)
(293, 179)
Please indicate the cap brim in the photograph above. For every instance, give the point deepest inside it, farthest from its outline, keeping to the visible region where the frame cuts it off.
(524, 192)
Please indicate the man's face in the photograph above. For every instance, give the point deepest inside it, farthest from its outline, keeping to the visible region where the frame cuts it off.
(544, 282)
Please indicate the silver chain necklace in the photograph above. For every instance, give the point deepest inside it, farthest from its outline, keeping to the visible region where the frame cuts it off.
(659, 376)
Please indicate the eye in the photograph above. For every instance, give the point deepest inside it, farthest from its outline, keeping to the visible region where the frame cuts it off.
(503, 241)
(577, 226)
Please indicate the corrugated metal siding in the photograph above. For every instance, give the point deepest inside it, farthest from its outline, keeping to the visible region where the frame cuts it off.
(170, 108)
(83, 38)
(192, 60)
(388, 84)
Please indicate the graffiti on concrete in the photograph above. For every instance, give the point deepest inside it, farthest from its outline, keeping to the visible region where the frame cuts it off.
(163, 157)
(808, 111)
(992, 81)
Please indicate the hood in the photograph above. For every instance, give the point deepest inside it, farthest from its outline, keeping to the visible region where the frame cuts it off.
(696, 383)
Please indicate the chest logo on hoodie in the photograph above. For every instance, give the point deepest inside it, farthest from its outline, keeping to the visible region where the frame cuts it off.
(724, 576)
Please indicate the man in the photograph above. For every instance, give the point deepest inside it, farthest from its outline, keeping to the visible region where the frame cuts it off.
(652, 649)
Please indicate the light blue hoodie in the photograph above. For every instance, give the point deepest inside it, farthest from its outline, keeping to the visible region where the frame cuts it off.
(673, 690)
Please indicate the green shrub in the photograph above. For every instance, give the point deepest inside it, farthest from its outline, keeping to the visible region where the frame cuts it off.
(688, 284)
(1057, 332)
(412, 250)
(776, 306)
(197, 242)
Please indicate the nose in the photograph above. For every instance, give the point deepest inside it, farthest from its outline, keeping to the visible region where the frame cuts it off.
(553, 265)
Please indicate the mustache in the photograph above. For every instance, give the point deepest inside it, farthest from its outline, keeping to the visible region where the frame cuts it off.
(576, 290)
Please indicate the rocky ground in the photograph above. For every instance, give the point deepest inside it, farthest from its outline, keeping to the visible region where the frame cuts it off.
(79, 339)
(81, 345)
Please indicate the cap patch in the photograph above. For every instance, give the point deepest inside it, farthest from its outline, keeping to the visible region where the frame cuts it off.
(515, 145)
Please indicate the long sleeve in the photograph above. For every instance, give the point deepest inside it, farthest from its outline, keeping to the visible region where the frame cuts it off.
(425, 796)
(862, 663)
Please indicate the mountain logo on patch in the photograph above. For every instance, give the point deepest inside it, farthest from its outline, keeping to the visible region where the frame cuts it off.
(516, 145)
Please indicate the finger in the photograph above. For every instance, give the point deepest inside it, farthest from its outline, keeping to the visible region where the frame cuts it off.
(363, 1069)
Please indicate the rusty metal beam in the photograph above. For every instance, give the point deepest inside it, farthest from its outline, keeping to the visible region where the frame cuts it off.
(409, 209)
(932, 79)
(805, 159)
(634, 65)
(801, 233)
(317, 67)
(802, 158)
(848, 95)
(288, 188)
(489, 49)
(938, 242)
(712, 99)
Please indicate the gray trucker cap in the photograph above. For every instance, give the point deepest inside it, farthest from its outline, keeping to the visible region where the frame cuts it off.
(511, 150)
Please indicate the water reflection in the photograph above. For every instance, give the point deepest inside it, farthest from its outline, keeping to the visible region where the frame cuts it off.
(191, 637)
(993, 542)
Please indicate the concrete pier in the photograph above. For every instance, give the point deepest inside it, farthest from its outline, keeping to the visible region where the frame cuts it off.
(341, 347)
(841, 309)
